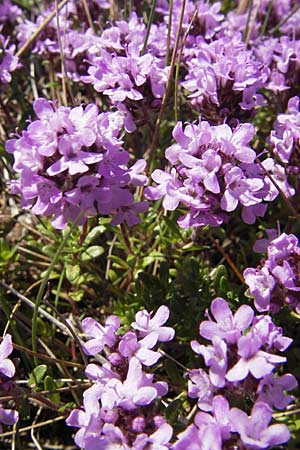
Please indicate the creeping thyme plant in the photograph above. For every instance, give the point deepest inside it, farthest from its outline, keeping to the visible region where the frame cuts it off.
(149, 224)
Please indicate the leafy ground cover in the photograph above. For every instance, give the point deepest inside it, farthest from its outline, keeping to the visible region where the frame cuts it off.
(149, 252)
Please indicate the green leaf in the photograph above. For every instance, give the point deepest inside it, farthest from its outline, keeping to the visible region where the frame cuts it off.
(72, 272)
(94, 233)
(37, 375)
(173, 227)
(50, 385)
(223, 283)
(6, 252)
(173, 372)
(76, 295)
(155, 256)
(67, 406)
(118, 262)
(131, 259)
(173, 410)
(92, 252)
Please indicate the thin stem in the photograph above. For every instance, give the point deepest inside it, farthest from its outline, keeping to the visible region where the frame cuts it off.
(33, 253)
(71, 331)
(65, 78)
(6, 112)
(33, 37)
(264, 25)
(242, 6)
(39, 309)
(169, 81)
(15, 331)
(43, 285)
(286, 413)
(248, 19)
(37, 425)
(286, 200)
(173, 359)
(46, 357)
(228, 259)
(192, 412)
(251, 25)
(151, 16)
(126, 238)
(110, 250)
(88, 15)
(169, 31)
(59, 286)
(178, 65)
(285, 19)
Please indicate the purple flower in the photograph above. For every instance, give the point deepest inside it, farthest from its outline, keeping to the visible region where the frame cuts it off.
(220, 417)
(215, 357)
(252, 359)
(75, 156)
(169, 187)
(156, 441)
(200, 386)
(129, 214)
(254, 430)
(206, 437)
(261, 245)
(204, 169)
(136, 390)
(240, 190)
(88, 420)
(8, 417)
(145, 325)
(213, 171)
(101, 335)
(7, 367)
(222, 75)
(227, 326)
(8, 61)
(9, 12)
(261, 284)
(129, 346)
(270, 335)
(271, 390)
(276, 282)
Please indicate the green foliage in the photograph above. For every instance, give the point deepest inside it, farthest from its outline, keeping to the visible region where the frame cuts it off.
(101, 269)
(8, 253)
(37, 375)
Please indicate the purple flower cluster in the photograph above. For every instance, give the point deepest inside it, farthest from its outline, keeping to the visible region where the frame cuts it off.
(280, 58)
(8, 60)
(47, 42)
(278, 11)
(119, 69)
(285, 138)
(276, 282)
(241, 361)
(72, 17)
(71, 162)
(9, 12)
(113, 62)
(224, 78)
(119, 409)
(7, 370)
(214, 171)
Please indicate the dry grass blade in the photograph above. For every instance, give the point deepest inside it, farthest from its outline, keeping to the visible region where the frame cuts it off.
(33, 37)
(65, 78)
(286, 200)
(37, 425)
(227, 258)
(41, 311)
(169, 81)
